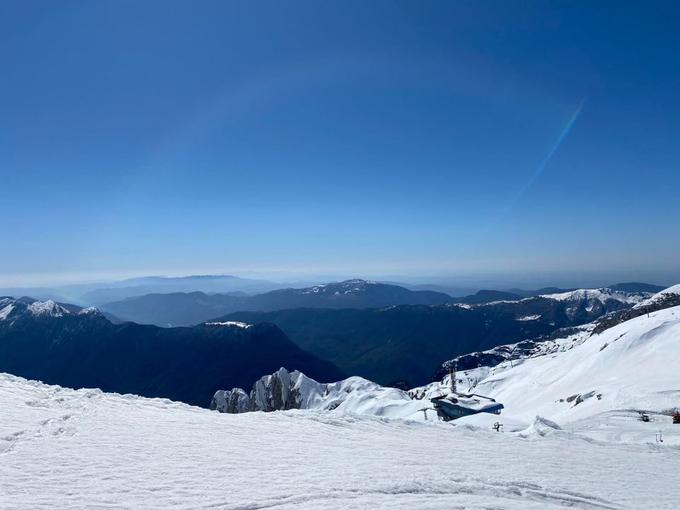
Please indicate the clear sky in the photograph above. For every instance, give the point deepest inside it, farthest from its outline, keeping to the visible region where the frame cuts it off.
(352, 137)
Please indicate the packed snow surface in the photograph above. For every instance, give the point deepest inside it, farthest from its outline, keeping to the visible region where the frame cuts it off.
(61, 448)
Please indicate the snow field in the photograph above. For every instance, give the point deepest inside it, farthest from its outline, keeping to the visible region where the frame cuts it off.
(61, 448)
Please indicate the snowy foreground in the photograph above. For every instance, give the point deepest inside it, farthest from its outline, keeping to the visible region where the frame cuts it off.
(61, 448)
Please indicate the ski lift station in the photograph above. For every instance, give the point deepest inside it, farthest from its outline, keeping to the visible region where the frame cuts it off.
(454, 406)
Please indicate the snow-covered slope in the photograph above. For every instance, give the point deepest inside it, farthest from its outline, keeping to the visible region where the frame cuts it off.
(62, 448)
(632, 366)
(660, 297)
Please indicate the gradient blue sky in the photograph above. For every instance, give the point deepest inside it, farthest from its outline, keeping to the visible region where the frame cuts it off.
(451, 138)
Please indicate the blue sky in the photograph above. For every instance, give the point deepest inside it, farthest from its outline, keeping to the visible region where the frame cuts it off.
(447, 139)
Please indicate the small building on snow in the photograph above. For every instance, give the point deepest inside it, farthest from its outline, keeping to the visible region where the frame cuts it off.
(455, 405)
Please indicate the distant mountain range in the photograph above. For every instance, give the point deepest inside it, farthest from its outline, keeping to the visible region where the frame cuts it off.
(66, 345)
(182, 309)
(88, 294)
(190, 308)
(161, 284)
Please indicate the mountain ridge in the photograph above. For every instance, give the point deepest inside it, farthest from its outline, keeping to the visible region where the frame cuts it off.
(192, 308)
(81, 348)
(408, 342)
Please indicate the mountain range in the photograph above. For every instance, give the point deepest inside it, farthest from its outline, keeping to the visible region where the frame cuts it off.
(611, 371)
(183, 309)
(189, 308)
(405, 342)
(75, 347)
(351, 327)
(96, 293)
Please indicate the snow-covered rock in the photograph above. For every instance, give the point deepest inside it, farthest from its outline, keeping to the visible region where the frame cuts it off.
(231, 401)
(285, 390)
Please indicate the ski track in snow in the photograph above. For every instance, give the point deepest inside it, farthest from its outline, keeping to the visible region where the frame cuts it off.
(61, 448)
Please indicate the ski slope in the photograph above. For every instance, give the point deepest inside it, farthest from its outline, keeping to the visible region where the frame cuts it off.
(61, 448)
(634, 366)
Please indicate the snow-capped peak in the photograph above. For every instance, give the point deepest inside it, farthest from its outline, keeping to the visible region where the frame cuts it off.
(48, 307)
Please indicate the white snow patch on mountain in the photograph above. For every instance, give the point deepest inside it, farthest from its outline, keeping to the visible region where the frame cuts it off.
(528, 318)
(61, 448)
(235, 324)
(601, 295)
(48, 307)
(346, 287)
(89, 310)
(5, 311)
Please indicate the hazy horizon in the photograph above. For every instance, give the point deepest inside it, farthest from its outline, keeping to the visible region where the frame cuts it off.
(462, 282)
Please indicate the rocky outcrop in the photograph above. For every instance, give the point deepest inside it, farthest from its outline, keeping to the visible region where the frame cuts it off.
(231, 401)
(285, 390)
(279, 391)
